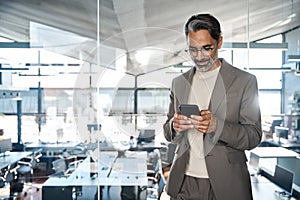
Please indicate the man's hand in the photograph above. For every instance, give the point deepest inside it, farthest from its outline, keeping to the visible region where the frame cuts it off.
(181, 122)
(205, 123)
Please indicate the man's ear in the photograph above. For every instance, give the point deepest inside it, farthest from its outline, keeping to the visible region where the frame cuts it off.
(220, 42)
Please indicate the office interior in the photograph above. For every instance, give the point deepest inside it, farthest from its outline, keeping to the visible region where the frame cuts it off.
(84, 92)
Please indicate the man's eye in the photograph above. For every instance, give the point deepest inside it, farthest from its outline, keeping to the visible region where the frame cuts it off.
(207, 48)
(193, 50)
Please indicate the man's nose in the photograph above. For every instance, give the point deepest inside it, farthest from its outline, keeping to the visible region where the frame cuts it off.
(200, 54)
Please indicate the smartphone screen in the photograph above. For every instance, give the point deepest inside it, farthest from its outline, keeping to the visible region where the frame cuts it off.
(189, 109)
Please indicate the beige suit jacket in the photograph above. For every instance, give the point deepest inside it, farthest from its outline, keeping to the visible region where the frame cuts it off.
(234, 103)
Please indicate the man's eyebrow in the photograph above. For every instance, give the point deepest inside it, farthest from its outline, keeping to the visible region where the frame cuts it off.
(207, 45)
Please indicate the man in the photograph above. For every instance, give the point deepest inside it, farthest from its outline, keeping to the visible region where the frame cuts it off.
(210, 161)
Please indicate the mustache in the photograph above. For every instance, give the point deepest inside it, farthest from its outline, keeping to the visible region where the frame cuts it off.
(210, 60)
(202, 60)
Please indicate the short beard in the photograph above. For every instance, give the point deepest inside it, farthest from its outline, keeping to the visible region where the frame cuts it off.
(204, 68)
(211, 63)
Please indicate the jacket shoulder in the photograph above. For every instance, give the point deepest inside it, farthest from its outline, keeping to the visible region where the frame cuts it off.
(235, 70)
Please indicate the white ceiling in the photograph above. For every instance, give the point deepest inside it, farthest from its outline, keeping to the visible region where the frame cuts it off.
(70, 26)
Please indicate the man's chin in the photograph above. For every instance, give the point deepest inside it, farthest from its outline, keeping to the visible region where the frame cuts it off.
(203, 68)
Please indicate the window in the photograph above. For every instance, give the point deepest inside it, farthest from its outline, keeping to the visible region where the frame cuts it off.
(29, 103)
(266, 65)
(153, 100)
(270, 102)
(116, 101)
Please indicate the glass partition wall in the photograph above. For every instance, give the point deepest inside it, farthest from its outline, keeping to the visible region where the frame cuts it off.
(69, 72)
(72, 72)
(104, 74)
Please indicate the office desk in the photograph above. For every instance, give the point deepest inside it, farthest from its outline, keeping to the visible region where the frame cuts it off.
(81, 176)
(51, 148)
(283, 143)
(127, 170)
(263, 189)
(103, 146)
(265, 160)
(273, 152)
(11, 158)
(130, 170)
(147, 146)
(268, 157)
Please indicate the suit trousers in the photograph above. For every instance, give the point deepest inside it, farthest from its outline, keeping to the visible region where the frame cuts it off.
(195, 189)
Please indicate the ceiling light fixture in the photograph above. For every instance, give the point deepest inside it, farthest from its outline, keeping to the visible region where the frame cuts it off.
(255, 45)
(7, 69)
(279, 46)
(14, 45)
(294, 58)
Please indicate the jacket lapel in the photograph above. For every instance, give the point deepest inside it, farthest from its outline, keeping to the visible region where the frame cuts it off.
(185, 86)
(223, 82)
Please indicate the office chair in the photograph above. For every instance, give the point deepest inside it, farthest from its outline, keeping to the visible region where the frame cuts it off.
(154, 163)
(79, 151)
(5, 175)
(63, 167)
(26, 168)
(156, 181)
(60, 168)
(9, 175)
(2, 181)
(168, 154)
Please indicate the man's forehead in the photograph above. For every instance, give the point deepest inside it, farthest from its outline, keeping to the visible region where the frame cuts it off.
(200, 37)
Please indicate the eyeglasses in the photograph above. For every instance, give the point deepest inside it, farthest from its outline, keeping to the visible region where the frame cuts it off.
(204, 50)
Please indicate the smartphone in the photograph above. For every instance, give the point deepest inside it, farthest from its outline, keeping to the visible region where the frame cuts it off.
(189, 109)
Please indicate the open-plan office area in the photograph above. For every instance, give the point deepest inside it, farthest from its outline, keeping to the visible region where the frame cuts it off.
(85, 91)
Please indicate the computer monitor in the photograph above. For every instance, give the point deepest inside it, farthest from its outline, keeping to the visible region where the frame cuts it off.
(281, 132)
(5, 145)
(275, 122)
(146, 135)
(284, 179)
(59, 134)
(59, 166)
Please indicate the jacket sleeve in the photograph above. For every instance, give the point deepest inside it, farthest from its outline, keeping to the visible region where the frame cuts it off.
(245, 133)
(170, 134)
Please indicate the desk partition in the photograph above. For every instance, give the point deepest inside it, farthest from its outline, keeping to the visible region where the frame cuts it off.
(293, 165)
